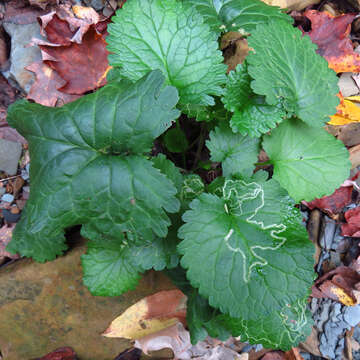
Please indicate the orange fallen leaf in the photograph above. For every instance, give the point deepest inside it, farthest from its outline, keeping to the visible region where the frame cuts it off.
(347, 112)
(331, 34)
(149, 315)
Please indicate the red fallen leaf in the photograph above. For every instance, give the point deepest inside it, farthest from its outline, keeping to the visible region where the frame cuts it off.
(352, 227)
(56, 30)
(64, 353)
(274, 355)
(339, 285)
(83, 66)
(331, 34)
(45, 88)
(333, 204)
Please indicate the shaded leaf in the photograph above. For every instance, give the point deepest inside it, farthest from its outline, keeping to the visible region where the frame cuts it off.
(332, 36)
(308, 162)
(252, 115)
(237, 153)
(172, 37)
(175, 140)
(285, 67)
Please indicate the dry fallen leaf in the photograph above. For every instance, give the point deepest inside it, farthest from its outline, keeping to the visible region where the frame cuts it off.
(175, 338)
(235, 49)
(45, 91)
(64, 353)
(149, 315)
(331, 34)
(341, 284)
(347, 112)
(352, 226)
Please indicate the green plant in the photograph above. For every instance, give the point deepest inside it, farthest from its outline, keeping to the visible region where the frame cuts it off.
(242, 241)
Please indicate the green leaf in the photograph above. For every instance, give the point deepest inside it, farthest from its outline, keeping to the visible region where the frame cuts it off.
(286, 67)
(233, 15)
(170, 36)
(279, 330)
(112, 267)
(308, 162)
(247, 251)
(192, 187)
(87, 167)
(237, 153)
(203, 320)
(175, 140)
(252, 116)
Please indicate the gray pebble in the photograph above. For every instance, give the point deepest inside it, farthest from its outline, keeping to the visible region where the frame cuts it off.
(352, 315)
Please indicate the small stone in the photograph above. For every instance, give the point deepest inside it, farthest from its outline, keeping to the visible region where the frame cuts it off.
(10, 153)
(22, 55)
(96, 4)
(8, 198)
(352, 315)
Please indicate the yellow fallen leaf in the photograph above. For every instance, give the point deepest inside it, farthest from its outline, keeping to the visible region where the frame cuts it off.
(355, 98)
(343, 296)
(347, 112)
(149, 315)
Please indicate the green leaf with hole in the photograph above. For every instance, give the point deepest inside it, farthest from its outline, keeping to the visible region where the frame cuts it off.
(308, 162)
(170, 36)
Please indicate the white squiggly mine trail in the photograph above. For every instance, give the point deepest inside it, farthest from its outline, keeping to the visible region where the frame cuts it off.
(252, 191)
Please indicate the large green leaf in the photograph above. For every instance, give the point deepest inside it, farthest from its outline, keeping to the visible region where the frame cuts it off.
(308, 162)
(232, 15)
(286, 67)
(170, 36)
(87, 167)
(237, 153)
(281, 329)
(112, 267)
(247, 250)
(252, 115)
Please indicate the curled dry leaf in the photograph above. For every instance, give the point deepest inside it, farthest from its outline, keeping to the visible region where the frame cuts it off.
(235, 49)
(331, 34)
(341, 284)
(352, 226)
(149, 315)
(175, 338)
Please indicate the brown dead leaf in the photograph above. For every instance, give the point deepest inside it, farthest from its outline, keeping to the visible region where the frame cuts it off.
(5, 238)
(149, 315)
(340, 284)
(274, 355)
(83, 66)
(312, 343)
(64, 353)
(352, 226)
(43, 4)
(86, 13)
(235, 49)
(45, 91)
(331, 34)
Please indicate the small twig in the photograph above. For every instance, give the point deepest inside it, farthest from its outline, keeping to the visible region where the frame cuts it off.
(9, 178)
